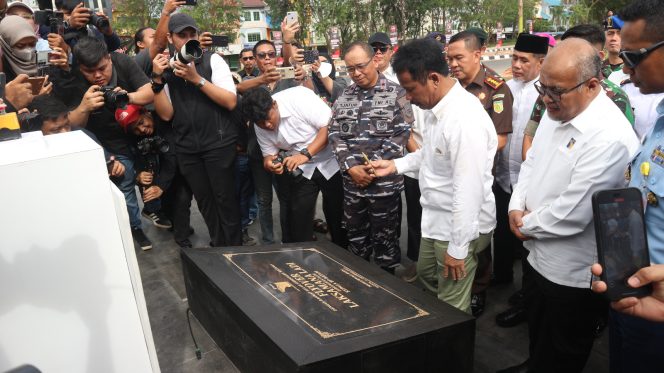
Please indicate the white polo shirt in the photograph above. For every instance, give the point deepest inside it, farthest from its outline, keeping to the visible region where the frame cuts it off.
(303, 114)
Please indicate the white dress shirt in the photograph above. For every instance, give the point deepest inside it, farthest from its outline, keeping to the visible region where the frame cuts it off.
(391, 75)
(455, 165)
(567, 163)
(509, 158)
(303, 114)
(645, 108)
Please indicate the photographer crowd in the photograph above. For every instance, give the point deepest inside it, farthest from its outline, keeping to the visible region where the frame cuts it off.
(491, 169)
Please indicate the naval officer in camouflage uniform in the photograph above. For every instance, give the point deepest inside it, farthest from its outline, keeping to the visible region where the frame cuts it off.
(464, 54)
(372, 117)
(595, 36)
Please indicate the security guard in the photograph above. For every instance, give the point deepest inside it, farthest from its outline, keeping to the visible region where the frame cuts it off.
(371, 120)
(464, 54)
(612, 66)
(595, 36)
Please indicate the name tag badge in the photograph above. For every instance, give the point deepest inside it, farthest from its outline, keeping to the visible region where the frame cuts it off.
(657, 156)
(571, 143)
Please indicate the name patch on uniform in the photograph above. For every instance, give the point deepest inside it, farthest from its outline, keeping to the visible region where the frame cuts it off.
(498, 97)
(571, 143)
(498, 106)
(657, 156)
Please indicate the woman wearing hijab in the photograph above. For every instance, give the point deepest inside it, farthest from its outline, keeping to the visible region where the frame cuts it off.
(17, 42)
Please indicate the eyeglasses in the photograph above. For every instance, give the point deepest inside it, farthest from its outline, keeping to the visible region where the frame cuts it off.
(247, 58)
(555, 93)
(382, 49)
(264, 55)
(633, 58)
(351, 69)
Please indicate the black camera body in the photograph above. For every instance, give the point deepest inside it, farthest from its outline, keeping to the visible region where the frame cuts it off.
(53, 19)
(311, 56)
(114, 100)
(190, 51)
(102, 24)
(283, 154)
(153, 145)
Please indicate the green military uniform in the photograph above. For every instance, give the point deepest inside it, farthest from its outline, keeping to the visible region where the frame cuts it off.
(615, 93)
(608, 69)
(496, 98)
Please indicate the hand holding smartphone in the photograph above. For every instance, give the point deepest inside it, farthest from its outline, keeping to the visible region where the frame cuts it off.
(622, 247)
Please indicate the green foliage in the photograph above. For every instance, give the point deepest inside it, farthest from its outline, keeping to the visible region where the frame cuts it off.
(216, 16)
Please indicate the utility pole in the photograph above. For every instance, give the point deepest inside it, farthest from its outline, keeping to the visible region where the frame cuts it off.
(520, 16)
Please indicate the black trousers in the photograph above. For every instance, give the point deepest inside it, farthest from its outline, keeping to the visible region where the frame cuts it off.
(211, 175)
(505, 243)
(414, 216)
(561, 320)
(297, 196)
(176, 203)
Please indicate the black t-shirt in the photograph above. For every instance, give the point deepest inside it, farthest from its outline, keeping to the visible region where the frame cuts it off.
(143, 61)
(70, 87)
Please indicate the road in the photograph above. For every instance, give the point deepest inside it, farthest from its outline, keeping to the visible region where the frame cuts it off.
(498, 65)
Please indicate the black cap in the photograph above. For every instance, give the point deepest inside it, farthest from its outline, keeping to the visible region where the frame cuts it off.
(380, 37)
(481, 34)
(181, 21)
(531, 44)
(437, 36)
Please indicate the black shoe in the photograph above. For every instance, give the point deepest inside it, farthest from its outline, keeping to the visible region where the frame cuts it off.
(247, 240)
(185, 244)
(158, 219)
(477, 303)
(141, 239)
(511, 317)
(517, 298)
(521, 368)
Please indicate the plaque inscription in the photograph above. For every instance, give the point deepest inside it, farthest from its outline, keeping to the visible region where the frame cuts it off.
(329, 299)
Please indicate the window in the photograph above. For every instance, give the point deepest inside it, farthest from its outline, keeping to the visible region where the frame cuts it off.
(254, 37)
(246, 16)
(257, 16)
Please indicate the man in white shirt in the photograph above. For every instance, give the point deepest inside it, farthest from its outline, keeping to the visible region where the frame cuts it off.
(382, 47)
(584, 146)
(455, 162)
(291, 128)
(529, 53)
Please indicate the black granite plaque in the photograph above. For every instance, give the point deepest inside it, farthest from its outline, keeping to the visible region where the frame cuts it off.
(318, 308)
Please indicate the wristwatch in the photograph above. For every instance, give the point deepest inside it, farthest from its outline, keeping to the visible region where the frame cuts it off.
(157, 87)
(305, 152)
(201, 83)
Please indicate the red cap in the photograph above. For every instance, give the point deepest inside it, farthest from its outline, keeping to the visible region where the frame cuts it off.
(127, 117)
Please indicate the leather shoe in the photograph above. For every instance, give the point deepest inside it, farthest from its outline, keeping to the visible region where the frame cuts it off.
(512, 317)
(521, 368)
(477, 303)
(517, 298)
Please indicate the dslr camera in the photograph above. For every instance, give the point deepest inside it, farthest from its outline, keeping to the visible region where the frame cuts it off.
(114, 100)
(55, 20)
(283, 154)
(102, 24)
(190, 51)
(153, 145)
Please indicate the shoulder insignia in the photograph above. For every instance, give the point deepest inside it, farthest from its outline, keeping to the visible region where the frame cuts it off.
(494, 82)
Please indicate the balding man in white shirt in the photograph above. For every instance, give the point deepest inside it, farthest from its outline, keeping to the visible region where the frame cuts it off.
(585, 146)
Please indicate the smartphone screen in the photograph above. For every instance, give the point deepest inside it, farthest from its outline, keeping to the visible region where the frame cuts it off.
(219, 40)
(36, 83)
(3, 82)
(191, 2)
(622, 246)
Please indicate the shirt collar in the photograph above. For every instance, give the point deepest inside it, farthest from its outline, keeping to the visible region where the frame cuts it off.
(479, 78)
(447, 100)
(585, 119)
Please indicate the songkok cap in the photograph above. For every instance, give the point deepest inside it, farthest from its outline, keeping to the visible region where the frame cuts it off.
(380, 37)
(481, 34)
(181, 21)
(127, 117)
(613, 22)
(531, 44)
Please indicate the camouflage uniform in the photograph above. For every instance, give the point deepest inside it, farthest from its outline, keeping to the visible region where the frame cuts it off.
(615, 93)
(608, 69)
(375, 122)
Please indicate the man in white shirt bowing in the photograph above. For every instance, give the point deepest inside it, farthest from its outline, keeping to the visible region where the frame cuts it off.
(291, 129)
(455, 161)
(583, 145)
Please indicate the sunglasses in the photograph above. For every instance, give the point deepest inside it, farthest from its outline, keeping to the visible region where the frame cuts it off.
(382, 49)
(264, 55)
(556, 94)
(247, 58)
(633, 58)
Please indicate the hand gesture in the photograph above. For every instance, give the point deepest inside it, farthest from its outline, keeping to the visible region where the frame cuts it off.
(516, 222)
(362, 175)
(294, 161)
(59, 58)
(300, 73)
(18, 92)
(206, 40)
(270, 75)
(144, 178)
(383, 167)
(159, 64)
(79, 17)
(171, 6)
(107, 30)
(117, 168)
(57, 41)
(46, 88)
(152, 193)
(187, 72)
(93, 99)
(275, 168)
(288, 31)
(454, 267)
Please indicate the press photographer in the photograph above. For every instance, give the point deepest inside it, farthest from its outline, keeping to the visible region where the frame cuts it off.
(195, 91)
(99, 83)
(80, 22)
(155, 159)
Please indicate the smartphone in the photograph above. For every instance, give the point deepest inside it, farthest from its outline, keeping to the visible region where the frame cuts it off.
(622, 246)
(220, 40)
(36, 82)
(191, 2)
(57, 23)
(291, 17)
(3, 82)
(286, 72)
(310, 56)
